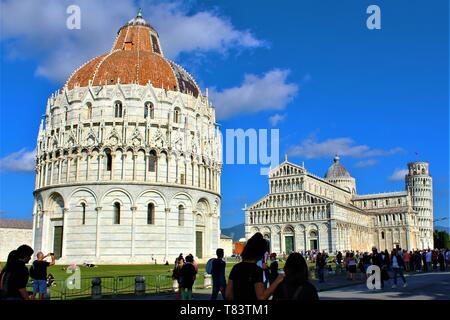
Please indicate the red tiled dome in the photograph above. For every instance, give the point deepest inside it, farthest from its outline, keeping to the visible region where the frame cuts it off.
(136, 57)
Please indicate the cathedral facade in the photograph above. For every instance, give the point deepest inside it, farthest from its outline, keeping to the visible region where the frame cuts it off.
(303, 212)
(128, 160)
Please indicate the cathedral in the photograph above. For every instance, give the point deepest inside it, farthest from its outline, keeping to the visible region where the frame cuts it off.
(303, 211)
(128, 160)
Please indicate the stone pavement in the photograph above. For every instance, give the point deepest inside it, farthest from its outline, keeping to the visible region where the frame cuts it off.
(421, 286)
(331, 282)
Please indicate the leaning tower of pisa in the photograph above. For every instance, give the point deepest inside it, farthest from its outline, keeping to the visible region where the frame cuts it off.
(420, 186)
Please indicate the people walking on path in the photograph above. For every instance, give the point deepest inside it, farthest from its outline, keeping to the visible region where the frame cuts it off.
(188, 274)
(246, 280)
(426, 258)
(218, 275)
(418, 258)
(320, 266)
(447, 258)
(176, 275)
(352, 266)
(406, 259)
(296, 285)
(434, 258)
(273, 268)
(398, 266)
(338, 262)
(38, 272)
(441, 260)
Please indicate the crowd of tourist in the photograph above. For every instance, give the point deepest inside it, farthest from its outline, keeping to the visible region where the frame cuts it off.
(256, 277)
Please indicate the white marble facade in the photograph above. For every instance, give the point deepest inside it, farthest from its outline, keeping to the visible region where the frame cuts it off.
(128, 172)
(303, 212)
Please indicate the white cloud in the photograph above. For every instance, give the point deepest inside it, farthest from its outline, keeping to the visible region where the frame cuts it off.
(398, 175)
(203, 31)
(268, 92)
(311, 148)
(366, 163)
(37, 30)
(20, 161)
(276, 119)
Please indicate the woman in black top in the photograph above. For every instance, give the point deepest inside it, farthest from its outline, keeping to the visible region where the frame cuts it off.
(246, 278)
(295, 285)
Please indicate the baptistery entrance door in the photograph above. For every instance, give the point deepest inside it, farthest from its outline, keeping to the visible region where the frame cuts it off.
(58, 241)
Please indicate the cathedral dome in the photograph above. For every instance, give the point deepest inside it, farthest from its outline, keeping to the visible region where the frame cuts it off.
(136, 57)
(337, 170)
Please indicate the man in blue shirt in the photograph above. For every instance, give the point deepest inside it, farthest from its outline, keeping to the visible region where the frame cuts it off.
(218, 275)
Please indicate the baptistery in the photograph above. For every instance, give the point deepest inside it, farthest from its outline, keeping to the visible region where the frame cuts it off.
(129, 159)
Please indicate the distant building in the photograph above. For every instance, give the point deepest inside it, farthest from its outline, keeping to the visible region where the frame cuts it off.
(14, 233)
(303, 211)
(226, 243)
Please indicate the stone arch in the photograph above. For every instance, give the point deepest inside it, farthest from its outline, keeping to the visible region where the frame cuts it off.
(120, 190)
(87, 190)
(54, 201)
(143, 198)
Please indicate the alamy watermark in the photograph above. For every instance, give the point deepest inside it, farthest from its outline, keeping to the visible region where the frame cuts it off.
(257, 141)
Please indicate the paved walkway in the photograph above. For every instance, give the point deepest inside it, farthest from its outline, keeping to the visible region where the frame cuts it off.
(421, 286)
(331, 282)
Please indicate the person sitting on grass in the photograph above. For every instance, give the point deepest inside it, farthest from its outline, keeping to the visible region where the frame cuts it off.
(187, 275)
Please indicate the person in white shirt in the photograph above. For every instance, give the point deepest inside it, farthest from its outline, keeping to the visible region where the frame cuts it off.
(398, 265)
(428, 259)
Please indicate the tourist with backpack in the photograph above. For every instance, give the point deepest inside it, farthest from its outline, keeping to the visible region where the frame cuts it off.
(38, 272)
(295, 285)
(217, 272)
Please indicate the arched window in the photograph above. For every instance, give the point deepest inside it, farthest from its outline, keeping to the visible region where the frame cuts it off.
(116, 213)
(108, 160)
(83, 213)
(65, 114)
(118, 109)
(151, 213)
(382, 235)
(180, 215)
(152, 161)
(88, 111)
(177, 115)
(149, 110)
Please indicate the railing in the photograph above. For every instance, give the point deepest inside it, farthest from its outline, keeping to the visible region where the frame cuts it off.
(112, 286)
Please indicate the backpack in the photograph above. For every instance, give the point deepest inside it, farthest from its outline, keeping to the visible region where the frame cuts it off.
(209, 266)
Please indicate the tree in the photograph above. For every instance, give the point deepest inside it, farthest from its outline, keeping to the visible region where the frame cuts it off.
(441, 239)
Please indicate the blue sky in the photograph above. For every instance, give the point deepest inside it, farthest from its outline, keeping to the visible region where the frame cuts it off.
(312, 69)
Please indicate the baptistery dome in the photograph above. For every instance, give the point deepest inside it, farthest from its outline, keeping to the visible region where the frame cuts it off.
(136, 57)
(128, 160)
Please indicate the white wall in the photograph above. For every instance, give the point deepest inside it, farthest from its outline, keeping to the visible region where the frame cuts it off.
(11, 239)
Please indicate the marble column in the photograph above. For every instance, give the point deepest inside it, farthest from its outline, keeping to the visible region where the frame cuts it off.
(97, 231)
